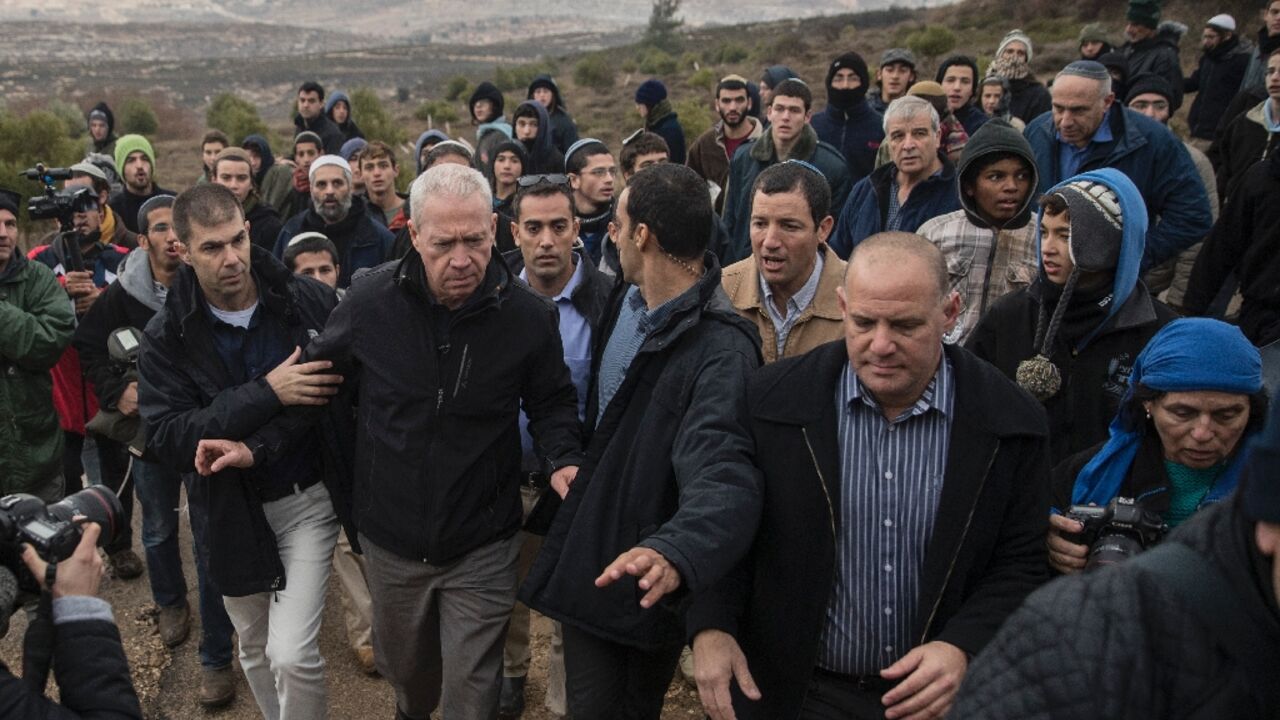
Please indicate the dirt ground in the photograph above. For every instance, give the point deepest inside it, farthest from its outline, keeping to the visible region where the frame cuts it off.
(167, 680)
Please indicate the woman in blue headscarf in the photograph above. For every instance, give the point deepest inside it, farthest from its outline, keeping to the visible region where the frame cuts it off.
(1195, 395)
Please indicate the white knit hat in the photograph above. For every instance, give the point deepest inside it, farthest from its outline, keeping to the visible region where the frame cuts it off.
(1222, 22)
(326, 160)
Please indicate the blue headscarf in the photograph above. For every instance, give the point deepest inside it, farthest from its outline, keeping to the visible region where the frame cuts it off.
(1186, 355)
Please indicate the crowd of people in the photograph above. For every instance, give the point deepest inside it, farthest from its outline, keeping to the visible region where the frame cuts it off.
(845, 413)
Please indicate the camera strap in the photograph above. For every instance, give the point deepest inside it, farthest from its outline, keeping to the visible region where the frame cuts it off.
(37, 644)
(1209, 596)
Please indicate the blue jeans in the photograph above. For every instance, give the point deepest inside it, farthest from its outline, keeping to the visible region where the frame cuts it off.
(160, 493)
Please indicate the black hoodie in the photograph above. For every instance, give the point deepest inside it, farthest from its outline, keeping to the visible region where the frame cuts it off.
(564, 131)
(105, 145)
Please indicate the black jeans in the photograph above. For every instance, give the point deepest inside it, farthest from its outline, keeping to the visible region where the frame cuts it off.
(606, 680)
(838, 697)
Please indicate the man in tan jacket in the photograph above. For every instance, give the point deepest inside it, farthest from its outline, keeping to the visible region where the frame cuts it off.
(787, 287)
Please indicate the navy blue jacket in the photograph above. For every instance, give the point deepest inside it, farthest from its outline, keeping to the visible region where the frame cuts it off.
(865, 212)
(362, 241)
(972, 118)
(1156, 161)
(856, 133)
(668, 126)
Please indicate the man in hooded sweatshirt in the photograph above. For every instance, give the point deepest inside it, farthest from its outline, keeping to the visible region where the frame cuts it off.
(338, 109)
(311, 117)
(769, 80)
(102, 125)
(342, 217)
(563, 131)
(1071, 337)
(789, 137)
(1152, 46)
(426, 141)
(137, 163)
(958, 76)
(1094, 41)
(273, 180)
(989, 243)
(660, 117)
(533, 128)
(848, 122)
(486, 107)
(1028, 97)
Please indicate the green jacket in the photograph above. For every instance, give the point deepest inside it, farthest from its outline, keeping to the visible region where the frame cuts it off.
(36, 322)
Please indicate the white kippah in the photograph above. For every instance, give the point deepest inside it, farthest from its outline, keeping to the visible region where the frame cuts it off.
(1222, 22)
(306, 236)
(326, 160)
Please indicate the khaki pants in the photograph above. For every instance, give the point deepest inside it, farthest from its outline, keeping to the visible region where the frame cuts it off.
(357, 606)
(516, 655)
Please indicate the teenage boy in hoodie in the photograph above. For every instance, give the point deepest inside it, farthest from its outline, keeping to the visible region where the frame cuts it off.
(426, 141)
(137, 163)
(770, 79)
(102, 124)
(1071, 337)
(848, 122)
(486, 107)
(338, 109)
(958, 76)
(659, 117)
(710, 154)
(131, 301)
(533, 128)
(989, 243)
(561, 128)
(273, 180)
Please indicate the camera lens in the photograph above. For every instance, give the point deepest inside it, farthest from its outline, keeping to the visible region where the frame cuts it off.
(1111, 549)
(96, 504)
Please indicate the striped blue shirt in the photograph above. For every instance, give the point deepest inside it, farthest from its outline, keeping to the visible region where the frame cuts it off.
(635, 322)
(891, 476)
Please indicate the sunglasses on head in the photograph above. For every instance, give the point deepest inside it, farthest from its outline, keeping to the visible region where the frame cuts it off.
(528, 181)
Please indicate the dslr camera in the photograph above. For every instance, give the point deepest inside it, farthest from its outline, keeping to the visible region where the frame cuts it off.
(122, 347)
(51, 529)
(1116, 532)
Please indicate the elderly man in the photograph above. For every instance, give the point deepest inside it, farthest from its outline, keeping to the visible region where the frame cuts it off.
(342, 217)
(1088, 131)
(917, 185)
(901, 483)
(788, 285)
(668, 499)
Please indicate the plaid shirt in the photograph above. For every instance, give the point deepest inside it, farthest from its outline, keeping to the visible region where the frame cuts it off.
(983, 265)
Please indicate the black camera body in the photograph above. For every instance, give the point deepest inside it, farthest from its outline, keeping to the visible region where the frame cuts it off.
(1116, 532)
(51, 529)
(60, 205)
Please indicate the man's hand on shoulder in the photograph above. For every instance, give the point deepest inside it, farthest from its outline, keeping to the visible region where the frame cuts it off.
(302, 383)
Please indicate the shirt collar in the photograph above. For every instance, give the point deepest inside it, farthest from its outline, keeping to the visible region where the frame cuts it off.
(566, 293)
(937, 395)
(1101, 135)
(804, 296)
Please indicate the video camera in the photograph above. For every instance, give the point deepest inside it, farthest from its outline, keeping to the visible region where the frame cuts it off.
(1116, 532)
(60, 205)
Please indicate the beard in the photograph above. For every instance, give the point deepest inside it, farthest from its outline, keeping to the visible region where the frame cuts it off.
(742, 117)
(334, 213)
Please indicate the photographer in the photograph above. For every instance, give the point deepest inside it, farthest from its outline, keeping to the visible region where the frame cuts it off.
(1194, 396)
(88, 658)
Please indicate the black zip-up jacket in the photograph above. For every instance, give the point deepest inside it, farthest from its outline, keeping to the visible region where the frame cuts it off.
(1118, 643)
(115, 308)
(92, 673)
(324, 127)
(668, 467)
(986, 554)
(1216, 81)
(591, 297)
(185, 394)
(438, 440)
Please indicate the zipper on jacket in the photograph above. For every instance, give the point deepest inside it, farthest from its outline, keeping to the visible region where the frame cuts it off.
(968, 521)
(835, 547)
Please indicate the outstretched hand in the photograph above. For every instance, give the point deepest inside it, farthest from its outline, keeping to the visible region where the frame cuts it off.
(656, 573)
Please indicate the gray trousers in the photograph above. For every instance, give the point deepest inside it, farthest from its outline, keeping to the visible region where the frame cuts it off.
(424, 614)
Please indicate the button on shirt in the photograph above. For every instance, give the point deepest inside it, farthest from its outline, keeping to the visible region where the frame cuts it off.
(796, 305)
(891, 475)
(575, 337)
(1070, 157)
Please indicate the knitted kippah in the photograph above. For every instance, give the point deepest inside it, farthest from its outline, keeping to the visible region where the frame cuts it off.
(1087, 69)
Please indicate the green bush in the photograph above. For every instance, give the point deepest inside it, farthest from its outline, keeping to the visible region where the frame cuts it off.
(457, 88)
(694, 118)
(436, 112)
(595, 71)
(373, 119)
(657, 62)
(70, 115)
(40, 136)
(726, 53)
(235, 116)
(932, 41)
(136, 116)
(663, 24)
(704, 79)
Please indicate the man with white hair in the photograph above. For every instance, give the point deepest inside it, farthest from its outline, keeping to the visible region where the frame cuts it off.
(342, 216)
(1088, 130)
(447, 348)
(918, 185)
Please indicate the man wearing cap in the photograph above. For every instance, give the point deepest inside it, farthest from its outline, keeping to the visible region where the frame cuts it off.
(343, 217)
(38, 323)
(848, 123)
(137, 163)
(1152, 96)
(1087, 130)
(1217, 78)
(896, 75)
(958, 76)
(1152, 46)
(1094, 41)
(102, 137)
(789, 137)
(710, 154)
(138, 293)
(1188, 629)
(592, 175)
(232, 169)
(1028, 97)
(660, 118)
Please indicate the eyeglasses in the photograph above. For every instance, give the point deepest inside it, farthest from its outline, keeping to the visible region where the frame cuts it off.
(528, 181)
